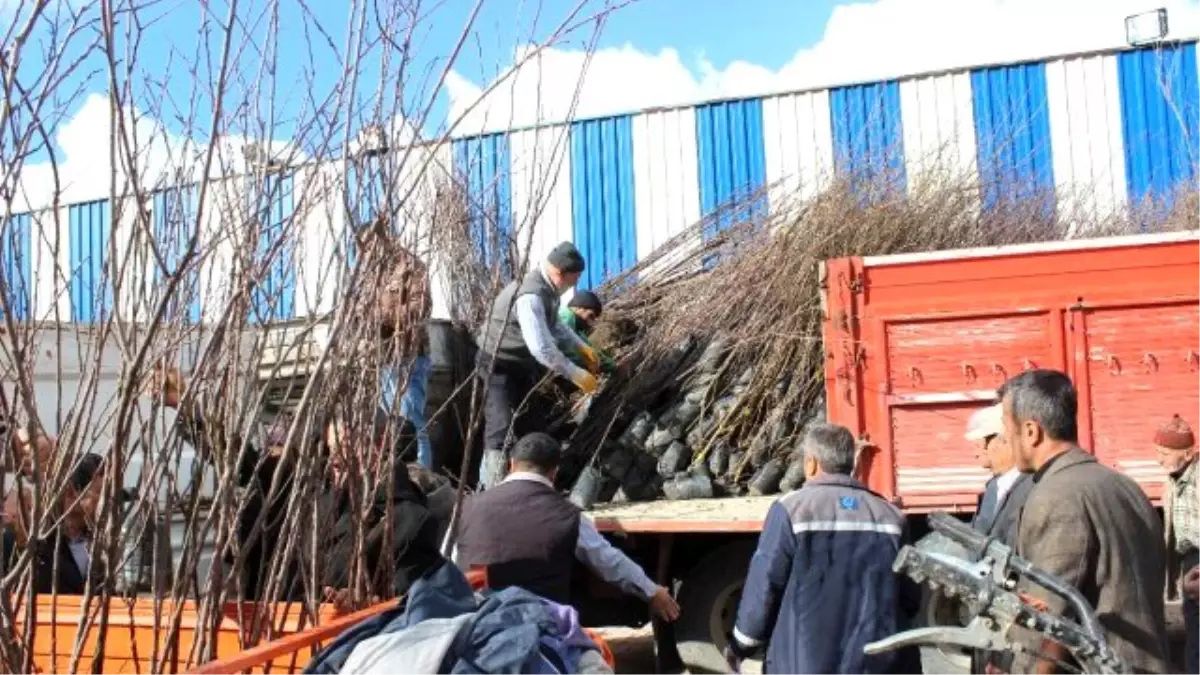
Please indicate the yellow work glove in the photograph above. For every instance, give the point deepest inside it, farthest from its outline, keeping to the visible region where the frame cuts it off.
(584, 380)
(591, 359)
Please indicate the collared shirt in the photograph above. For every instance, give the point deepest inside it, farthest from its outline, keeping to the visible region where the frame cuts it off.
(79, 551)
(542, 339)
(1185, 511)
(593, 550)
(1005, 483)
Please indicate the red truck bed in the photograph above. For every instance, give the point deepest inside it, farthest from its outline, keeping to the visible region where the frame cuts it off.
(916, 343)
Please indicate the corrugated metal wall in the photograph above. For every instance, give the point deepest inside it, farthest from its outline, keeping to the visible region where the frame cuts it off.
(732, 157)
(16, 264)
(173, 212)
(1012, 122)
(90, 226)
(602, 197)
(1160, 104)
(868, 139)
(274, 297)
(1092, 133)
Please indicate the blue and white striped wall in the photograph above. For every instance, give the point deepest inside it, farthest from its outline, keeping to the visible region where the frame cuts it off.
(1094, 132)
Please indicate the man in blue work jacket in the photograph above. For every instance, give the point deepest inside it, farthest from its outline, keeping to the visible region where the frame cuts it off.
(821, 585)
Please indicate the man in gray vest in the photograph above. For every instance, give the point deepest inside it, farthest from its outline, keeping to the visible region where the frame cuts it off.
(528, 535)
(523, 332)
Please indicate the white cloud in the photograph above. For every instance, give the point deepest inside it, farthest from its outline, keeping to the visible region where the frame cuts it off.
(85, 161)
(862, 42)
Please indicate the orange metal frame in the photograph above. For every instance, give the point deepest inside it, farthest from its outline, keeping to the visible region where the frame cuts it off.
(1059, 286)
(282, 655)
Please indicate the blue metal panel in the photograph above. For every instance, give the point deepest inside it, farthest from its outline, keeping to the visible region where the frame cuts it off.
(731, 154)
(868, 136)
(174, 213)
(602, 197)
(89, 227)
(1160, 118)
(483, 163)
(274, 296)
(16, 264)
(1012, 132)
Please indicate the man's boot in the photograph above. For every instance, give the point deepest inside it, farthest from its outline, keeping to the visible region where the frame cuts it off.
(491, 468)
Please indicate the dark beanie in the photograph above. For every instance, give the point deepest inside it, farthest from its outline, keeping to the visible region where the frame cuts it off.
(586, 300)
(566, 258)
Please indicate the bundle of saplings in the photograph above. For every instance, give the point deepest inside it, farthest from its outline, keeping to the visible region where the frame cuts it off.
(717, 335)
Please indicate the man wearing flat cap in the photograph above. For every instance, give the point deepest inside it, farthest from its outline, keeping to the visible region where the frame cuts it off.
(523, 332)
(999, 506)
(1175, 444)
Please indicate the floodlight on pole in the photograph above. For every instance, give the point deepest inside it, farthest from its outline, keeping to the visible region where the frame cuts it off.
(1146, 28)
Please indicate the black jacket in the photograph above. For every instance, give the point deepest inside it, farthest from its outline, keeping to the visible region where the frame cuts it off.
(69, 577)
(1003, 524)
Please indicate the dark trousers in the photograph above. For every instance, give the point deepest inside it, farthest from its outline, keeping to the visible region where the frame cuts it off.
(1192, 620)
(513, 401)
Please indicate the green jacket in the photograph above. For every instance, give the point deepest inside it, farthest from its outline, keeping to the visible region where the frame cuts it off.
(568, 319)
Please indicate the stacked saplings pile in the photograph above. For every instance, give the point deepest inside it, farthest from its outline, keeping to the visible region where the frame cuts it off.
(718, 334)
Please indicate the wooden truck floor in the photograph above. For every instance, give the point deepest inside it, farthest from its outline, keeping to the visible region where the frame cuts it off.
(723, 514)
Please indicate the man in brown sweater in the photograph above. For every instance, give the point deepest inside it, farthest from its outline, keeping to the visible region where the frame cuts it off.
(1085, 523)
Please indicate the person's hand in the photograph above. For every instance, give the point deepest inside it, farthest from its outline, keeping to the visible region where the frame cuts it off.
(343, 600)
(1036, 603)
(11, 516)
(1191, 583)
(585, 381)
(591, 359)
(732, 660)
(663, 605)
(167, 384)
(991, 669)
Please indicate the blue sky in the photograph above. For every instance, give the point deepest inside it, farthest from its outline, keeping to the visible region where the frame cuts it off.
(649, 53)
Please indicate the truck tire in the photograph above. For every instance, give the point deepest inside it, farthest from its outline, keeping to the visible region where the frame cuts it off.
(708, 600)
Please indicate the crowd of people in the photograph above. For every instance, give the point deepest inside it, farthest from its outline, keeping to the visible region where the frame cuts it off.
(820, 585)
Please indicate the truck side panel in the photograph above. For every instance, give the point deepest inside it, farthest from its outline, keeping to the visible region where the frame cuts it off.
(936, 335)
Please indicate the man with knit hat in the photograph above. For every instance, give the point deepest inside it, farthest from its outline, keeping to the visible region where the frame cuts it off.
(579, 314)
(522, 332)
(1175, 444)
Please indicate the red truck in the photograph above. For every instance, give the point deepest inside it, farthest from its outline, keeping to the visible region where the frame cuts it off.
(914, 344)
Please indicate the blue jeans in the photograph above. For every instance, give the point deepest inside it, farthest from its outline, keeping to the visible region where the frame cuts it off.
(412, 403)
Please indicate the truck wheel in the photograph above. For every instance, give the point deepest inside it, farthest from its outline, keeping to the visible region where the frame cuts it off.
(708, 600)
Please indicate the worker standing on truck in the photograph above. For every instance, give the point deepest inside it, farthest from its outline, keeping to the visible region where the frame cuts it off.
(539, 554)
(522, 332)
(1003, 497)
(579, 315)
(821, 585)
(1175, 444)
(1087, 524)
(404, 306)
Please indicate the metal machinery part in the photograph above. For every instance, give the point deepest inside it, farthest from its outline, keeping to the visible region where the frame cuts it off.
(983, 575)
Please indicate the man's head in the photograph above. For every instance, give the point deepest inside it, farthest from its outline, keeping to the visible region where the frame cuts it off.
(828, 449)
(985, 430)
(1176, 445)
(536, 453)
(587, 307)
(81, 498)
(1039, 416)
(564, 265)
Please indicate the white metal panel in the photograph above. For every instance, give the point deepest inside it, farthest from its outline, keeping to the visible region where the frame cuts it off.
(320, 218)
(1085, 134)
(939, 129)
(128, 274)
(666, 176)
(224, 215)
(798, 135)
(541, 189)
(439, 175)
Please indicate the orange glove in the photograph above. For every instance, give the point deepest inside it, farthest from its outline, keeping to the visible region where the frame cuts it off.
(585, 381)
(591, 359)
